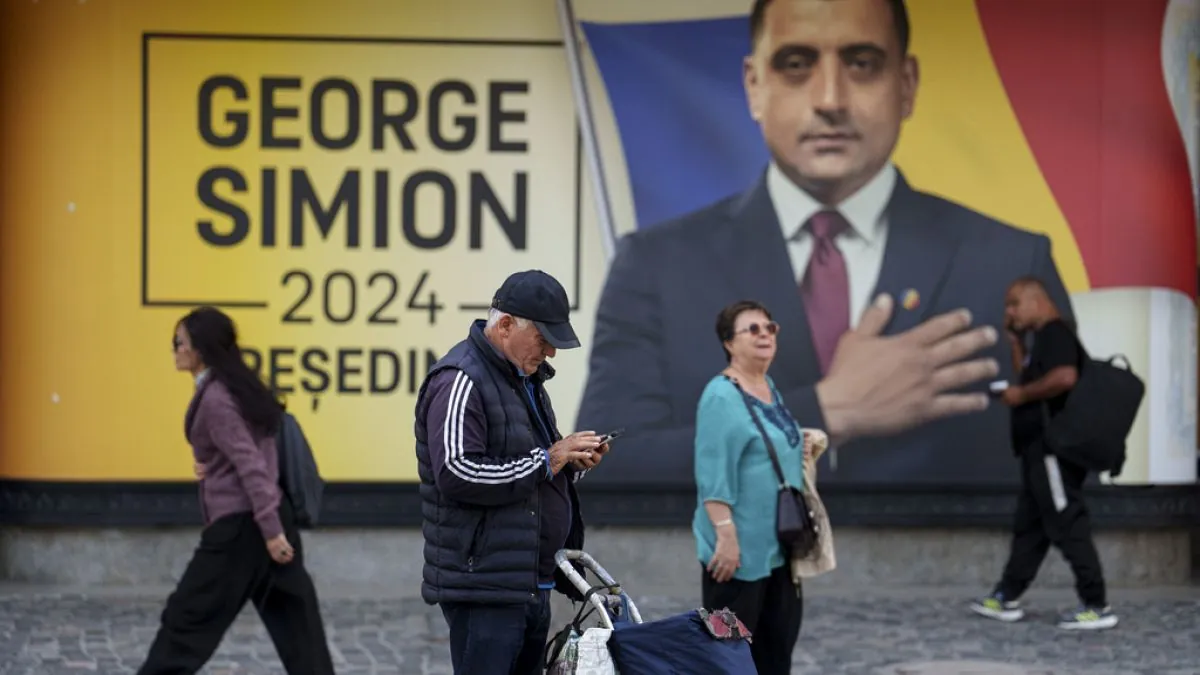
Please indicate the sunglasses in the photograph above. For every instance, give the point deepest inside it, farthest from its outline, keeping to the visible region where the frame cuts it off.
(757, 329)
(723, 624)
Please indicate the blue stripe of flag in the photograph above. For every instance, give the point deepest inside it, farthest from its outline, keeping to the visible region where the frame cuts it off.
(676, 93)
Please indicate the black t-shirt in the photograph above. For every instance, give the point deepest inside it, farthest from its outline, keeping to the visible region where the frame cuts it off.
(1054, 345)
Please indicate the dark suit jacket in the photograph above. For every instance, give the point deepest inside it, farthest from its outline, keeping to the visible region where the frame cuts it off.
(655, 344)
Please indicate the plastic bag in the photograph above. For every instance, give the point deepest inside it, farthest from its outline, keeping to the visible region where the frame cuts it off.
(567, 657)
(593, 656)
(584, 655)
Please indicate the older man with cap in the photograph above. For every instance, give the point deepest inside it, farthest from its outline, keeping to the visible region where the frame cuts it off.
(497, 480)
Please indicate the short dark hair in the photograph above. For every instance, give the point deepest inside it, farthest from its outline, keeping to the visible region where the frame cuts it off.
(727, 319)
(899, 19)
(1034, 281)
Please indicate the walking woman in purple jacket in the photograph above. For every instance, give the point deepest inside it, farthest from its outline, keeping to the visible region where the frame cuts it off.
(250, 547)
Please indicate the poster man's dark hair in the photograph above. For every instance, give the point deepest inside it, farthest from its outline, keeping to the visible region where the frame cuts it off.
(899, 19)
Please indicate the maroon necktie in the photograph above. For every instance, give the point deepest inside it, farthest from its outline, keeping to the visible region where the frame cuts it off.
(826, 286)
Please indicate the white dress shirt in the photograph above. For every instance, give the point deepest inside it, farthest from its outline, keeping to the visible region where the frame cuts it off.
(862, 245)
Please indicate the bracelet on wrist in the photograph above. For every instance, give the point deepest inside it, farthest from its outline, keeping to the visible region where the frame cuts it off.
(723, 523)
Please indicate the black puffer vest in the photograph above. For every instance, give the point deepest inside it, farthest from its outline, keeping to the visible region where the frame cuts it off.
(487, 554)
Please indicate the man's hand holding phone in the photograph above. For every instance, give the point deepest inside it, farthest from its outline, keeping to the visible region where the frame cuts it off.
(575, 449)
(598, 452)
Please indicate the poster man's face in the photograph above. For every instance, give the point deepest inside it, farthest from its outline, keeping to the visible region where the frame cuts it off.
(829, 85)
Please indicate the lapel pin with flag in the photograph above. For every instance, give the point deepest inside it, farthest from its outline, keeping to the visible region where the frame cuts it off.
(911, 300)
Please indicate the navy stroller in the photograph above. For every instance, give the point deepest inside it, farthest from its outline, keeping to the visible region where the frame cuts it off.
(699, 641)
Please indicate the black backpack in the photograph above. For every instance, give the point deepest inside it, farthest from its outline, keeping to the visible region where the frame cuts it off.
(299, 478)
(1098, 414)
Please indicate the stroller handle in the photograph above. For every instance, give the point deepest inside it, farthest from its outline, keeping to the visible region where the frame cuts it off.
(615, 596)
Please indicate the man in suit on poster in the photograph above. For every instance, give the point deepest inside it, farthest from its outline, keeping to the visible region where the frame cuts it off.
(830, 225)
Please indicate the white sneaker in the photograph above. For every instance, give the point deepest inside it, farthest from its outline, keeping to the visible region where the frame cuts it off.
(1088, 618)
(996, 607)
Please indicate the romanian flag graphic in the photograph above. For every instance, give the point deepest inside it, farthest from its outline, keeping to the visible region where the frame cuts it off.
(1069, 117)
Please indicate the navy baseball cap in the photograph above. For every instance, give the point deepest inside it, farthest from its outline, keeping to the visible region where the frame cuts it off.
(537, 296)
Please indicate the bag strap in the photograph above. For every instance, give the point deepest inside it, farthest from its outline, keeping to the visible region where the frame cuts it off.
(766, 438)
(559, 642)
(1084, 356)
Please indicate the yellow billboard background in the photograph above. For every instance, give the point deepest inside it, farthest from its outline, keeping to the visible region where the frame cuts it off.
(88, 391)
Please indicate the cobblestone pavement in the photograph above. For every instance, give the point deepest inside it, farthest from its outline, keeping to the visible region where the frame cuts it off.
(108, 632)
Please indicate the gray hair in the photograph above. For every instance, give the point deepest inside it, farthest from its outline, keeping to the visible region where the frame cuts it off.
(494, 315)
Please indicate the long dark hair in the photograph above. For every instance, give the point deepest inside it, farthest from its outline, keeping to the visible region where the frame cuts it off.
(214, 337)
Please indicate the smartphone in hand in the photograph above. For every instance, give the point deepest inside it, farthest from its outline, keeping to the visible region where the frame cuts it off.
(615, 433)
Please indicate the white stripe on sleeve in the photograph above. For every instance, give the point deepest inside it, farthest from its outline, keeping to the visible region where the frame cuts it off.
(456, 456)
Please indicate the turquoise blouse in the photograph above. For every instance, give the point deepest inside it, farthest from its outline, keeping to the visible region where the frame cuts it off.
(732, 466)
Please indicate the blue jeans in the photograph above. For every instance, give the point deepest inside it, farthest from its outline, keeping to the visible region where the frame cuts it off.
(499, 639)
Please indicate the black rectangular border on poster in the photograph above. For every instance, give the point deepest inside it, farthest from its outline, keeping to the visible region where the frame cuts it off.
(148, 37)
(389, 505)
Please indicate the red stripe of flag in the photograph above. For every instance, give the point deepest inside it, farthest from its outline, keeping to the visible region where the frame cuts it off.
(1085, 78)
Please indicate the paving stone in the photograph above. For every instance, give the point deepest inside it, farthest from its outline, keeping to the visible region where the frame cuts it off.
(853, 633)
(966, 668)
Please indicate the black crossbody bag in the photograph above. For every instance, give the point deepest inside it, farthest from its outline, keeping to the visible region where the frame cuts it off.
(795, 524)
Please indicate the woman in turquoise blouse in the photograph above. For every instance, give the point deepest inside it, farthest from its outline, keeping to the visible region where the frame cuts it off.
(737, 489)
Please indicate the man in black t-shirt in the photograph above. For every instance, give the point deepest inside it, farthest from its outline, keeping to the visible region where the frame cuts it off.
(1050, 507)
